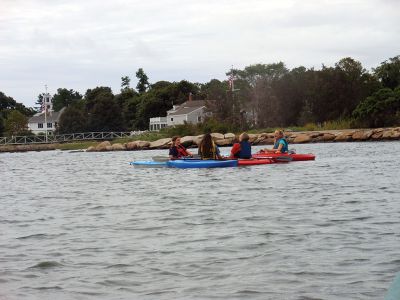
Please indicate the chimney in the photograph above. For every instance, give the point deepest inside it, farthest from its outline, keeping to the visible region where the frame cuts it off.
(190, 96)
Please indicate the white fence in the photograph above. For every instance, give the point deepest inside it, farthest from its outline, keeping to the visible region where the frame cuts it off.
(61, 138)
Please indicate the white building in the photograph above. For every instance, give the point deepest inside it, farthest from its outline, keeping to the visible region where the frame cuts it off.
(42, 122)
(189, 112)
(39, 123)
(192, 111)
(157, 123)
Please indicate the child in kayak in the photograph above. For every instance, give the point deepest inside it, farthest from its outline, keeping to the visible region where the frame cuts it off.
(280, 143)
(243, 148)
(177, 150)
(208, 149)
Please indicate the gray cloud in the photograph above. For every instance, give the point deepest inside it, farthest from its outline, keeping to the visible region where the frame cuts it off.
(82, 44)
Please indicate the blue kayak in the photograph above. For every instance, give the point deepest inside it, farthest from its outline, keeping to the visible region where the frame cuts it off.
(149, 164)
(185, 164)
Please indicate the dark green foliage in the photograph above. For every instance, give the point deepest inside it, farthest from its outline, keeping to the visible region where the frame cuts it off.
(104, 112)
(389, 72)
(380, 109)
(2, 126)
(160, 98)
(143, 81)
(64, 98)
(73, 120)
(16, 123)
(8, 103)
(125, 82)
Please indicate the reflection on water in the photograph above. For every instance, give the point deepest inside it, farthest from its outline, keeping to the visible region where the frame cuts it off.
(90, 226)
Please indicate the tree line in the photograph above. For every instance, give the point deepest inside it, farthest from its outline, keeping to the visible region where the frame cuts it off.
(262, 95)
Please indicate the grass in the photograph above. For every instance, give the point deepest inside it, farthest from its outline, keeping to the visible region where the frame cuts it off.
(77, 145)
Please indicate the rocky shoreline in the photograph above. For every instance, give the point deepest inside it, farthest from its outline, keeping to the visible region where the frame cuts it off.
(348, 135)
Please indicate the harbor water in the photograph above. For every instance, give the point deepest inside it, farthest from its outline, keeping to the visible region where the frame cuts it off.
(90, 226)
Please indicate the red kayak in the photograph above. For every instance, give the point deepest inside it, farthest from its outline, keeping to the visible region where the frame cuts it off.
(252, 162)
(293, 156)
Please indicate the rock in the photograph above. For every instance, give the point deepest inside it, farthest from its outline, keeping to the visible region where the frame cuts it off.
(217, 136)
(160, 144)
(390, 134)
(198, 139)
(314, 135)
(109, 148)
(131, 146)
(328, 137)
(142, 144)
(253, 137)
(361, 135)
(230, 137)
(103, 146)
(377, 134)
(187, 141)
(224, 142)
(91, 149)
(343, 137)
(302, 138)
(118, 147)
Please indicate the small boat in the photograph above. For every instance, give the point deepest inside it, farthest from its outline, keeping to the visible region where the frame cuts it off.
(394, 290)
(186, 164)
(283, 156)
(149, 164)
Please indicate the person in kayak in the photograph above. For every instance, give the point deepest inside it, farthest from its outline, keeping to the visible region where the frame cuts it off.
(243, 148)
(280, 143)
(177, 150)
(208, 149)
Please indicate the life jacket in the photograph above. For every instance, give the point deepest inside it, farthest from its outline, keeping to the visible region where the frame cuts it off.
(245, 149)
(285, 147)
(181, 151)
(210, 153)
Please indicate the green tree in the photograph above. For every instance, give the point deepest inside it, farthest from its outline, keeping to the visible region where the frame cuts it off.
(389, 72)
(104, 113)
(16, 123)
(73, 120)
(125, 82)
(380, 109)
(92, 94)
(1, 125)
(64, 98)
(8, 103)
(143, 81)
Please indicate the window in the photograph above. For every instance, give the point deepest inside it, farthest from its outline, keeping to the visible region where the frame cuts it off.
(40, 125)
(49, 125)
(198, 118)
(172, 119)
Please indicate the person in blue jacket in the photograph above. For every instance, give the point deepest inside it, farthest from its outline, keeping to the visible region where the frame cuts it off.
(280, 143)
(243, 148)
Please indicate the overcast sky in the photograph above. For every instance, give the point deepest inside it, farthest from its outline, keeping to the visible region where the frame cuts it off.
(81, 44)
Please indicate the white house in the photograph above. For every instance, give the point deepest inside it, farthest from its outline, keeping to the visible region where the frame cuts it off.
(42, 122)
(39, 123)
(189, 112)
(157, 123)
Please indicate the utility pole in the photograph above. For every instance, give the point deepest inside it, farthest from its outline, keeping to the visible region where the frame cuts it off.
(231, 91)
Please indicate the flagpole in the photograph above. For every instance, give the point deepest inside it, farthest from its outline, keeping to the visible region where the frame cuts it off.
(45, 113)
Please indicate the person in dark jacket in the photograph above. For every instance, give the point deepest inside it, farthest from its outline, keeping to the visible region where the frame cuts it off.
(243, 148)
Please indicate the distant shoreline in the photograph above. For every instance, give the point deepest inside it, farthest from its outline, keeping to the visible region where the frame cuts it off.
(323, 136)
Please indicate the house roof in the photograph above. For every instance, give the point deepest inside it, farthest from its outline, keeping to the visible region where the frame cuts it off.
(187, 107)
(52, 116)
